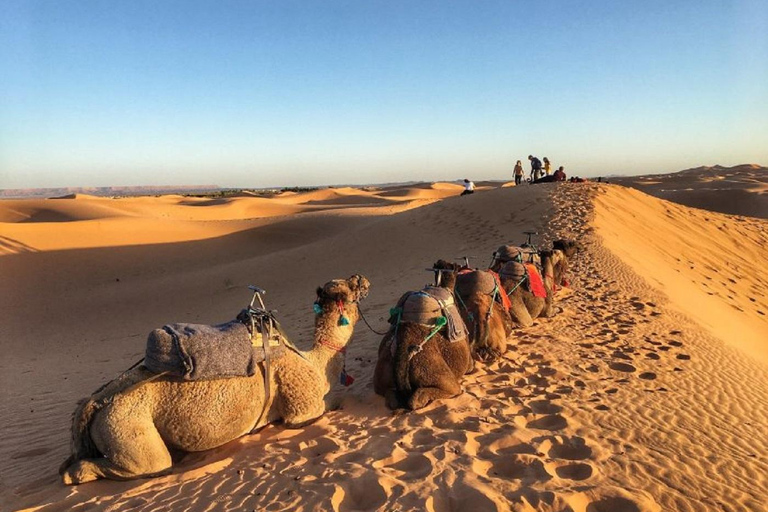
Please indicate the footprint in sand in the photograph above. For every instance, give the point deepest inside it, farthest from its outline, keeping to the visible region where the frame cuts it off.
(622, 367)
(361, 493)
(647, 375)
(544, 407)
(520, 467)
(568, 448)
(577, 471)
(550, 422)
(613, 504)
(684, 357)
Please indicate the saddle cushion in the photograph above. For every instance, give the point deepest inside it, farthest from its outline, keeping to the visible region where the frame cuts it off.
(481, 281)
(201, 352)
(507, 253)
(426, 306)
(512, 271)
(475, 281)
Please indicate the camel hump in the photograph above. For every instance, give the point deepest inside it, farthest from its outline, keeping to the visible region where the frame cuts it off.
(475, 281)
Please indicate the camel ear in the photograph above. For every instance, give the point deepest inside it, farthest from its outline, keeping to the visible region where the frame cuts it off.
(358, 285)
(319, 291)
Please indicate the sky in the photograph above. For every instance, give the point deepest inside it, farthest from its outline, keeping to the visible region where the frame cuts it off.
(286, 93)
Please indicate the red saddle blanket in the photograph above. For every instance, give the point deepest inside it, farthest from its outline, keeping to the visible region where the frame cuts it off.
(534, 278)
(505, 301)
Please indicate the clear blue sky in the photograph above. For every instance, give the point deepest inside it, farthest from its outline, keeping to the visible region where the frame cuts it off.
(249, 94)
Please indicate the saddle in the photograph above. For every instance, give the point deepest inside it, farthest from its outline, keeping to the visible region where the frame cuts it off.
(482, 281)
(194, 352)
(427, 307)
(526, 275)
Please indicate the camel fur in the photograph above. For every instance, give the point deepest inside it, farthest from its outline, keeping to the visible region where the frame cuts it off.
(488, 322)
(129, 427)
(412, 377)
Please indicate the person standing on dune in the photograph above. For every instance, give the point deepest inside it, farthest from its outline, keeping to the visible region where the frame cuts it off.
(469, 187)
(547, 166)
(518, 173)
(535, 167)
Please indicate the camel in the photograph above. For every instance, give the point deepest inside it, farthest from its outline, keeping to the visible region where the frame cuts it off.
(129, 428)
(525, 305)
(480, 304)
(417, 364)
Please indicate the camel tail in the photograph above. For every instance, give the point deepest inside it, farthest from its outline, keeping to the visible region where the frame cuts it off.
(82, 444)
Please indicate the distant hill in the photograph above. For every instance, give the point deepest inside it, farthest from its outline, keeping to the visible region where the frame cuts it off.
(63, 192)
(738, 190)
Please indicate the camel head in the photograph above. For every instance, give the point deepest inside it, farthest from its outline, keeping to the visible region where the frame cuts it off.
(446, 278)
(340, 297)
(568, 247)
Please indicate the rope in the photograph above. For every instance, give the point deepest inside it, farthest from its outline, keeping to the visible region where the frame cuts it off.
(517, 285)
(439, 324)
(359, 309)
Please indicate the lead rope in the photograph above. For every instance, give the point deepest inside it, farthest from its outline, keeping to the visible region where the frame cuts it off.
(509, 293)
(439, 324)
(369, 325)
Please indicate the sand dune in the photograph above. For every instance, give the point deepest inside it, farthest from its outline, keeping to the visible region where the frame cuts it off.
(644, 393)
(738, 190)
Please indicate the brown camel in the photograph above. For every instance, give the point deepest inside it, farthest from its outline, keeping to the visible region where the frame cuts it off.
(481, 304)
(420, 360)
(515, 280)
(126, 429)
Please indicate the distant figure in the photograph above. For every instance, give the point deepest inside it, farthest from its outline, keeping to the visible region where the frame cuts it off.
(469, 187)
(535, 167)
(518, 173)
(559, 174)
(547, 166)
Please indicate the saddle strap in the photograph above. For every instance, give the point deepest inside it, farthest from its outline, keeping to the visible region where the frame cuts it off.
(265, 335)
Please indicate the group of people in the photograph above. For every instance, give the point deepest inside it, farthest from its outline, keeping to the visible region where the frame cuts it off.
(540, 172)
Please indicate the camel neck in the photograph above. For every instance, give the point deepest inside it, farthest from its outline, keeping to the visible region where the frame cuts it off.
(329, 350)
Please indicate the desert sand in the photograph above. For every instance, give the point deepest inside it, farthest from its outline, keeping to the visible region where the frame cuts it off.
(648, 391)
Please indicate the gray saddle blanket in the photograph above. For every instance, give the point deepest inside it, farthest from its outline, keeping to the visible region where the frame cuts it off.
(426, 306)
(201, 352)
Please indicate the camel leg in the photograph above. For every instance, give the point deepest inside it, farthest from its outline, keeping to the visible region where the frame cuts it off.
(435, 382)
(391, 399)
(87, 470)
(300, 398)
(448, 387)
(300, 418)
(135, 447)
(520, 312)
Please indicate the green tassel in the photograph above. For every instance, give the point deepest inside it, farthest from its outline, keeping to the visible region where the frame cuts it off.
(343, 320)
(317, 308)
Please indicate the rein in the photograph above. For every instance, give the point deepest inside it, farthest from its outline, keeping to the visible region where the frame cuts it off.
(359, 310)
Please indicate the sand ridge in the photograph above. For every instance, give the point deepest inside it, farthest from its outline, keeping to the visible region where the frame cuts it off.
(620, 402)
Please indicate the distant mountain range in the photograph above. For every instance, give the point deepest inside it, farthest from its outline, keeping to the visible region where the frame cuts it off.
(39, 193)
